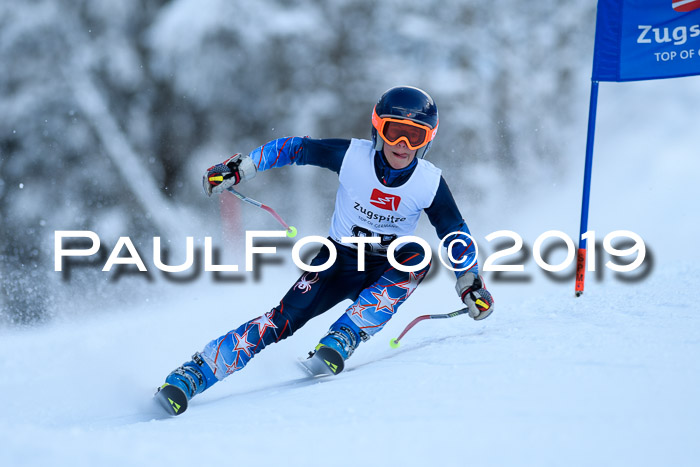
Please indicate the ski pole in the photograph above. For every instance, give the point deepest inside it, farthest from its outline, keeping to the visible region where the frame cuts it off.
(394, 343)
(291, 230)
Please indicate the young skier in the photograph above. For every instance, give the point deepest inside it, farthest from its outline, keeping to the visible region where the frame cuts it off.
(384, 185)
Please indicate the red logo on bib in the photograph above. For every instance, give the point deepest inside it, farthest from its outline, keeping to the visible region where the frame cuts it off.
(384, 200)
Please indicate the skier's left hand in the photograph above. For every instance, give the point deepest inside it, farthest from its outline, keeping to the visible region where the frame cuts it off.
(231, 172)
(472, 291)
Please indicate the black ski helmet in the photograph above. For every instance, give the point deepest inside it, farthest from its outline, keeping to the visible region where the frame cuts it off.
(407, 103)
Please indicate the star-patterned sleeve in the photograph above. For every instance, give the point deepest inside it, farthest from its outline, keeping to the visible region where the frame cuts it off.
(446, 218)
(327, 153)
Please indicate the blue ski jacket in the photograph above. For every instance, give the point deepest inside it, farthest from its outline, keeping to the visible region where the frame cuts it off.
(443, 213)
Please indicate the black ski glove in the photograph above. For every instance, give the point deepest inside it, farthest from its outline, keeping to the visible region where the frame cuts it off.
(472, 291)
(228, 173)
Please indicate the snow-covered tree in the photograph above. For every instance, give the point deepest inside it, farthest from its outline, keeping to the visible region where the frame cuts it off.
(112, 109)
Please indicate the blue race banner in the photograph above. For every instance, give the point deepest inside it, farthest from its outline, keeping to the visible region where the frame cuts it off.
(646, 39)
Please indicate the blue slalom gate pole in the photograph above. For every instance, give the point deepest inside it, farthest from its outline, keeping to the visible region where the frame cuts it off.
(581, 257)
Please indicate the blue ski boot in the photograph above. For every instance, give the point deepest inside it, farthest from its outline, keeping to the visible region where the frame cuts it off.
(334, 348)
(183, 383)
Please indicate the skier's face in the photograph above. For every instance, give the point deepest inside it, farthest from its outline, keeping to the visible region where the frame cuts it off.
(399, 156)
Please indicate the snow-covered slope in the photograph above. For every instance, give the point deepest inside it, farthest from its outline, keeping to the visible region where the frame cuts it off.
(608, 379)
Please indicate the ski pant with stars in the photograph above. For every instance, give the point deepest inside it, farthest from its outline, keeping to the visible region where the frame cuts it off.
(377, 292)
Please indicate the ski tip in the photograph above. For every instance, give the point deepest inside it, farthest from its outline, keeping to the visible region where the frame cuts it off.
(394, 343)
(172, 399)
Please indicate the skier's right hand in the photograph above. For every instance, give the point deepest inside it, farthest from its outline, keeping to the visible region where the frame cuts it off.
(232, 171)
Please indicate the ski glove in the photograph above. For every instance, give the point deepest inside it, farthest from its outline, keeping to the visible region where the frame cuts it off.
(231, 172)
(473, 293)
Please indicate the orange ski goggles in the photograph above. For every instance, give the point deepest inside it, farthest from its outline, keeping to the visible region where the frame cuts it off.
(394, 130)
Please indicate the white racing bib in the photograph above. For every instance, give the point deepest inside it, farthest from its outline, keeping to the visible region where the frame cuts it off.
(366, 208)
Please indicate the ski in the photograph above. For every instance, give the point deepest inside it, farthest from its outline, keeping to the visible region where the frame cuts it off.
(172, 399)
(323, 361)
